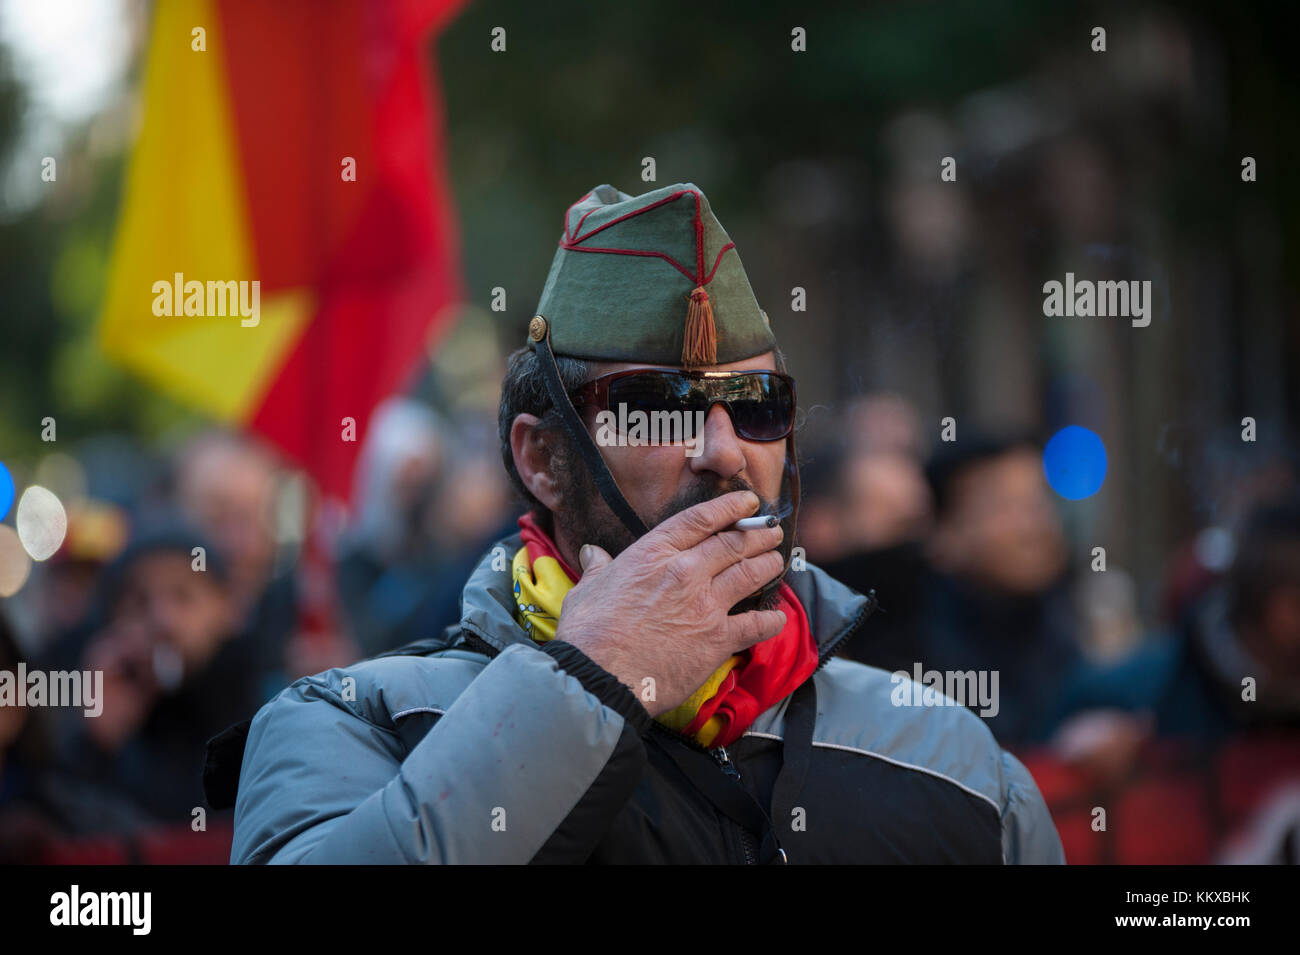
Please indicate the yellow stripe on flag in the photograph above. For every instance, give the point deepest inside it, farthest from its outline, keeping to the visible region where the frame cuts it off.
(184, 210)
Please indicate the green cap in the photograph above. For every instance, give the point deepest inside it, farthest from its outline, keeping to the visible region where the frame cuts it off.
(651, 278)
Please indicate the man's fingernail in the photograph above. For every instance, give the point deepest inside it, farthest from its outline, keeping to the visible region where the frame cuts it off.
(754, 498)
(584, 555)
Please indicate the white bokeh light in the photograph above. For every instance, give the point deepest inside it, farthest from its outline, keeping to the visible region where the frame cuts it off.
(41, 521)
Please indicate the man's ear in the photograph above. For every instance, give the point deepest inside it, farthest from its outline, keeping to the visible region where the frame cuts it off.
(531, 447)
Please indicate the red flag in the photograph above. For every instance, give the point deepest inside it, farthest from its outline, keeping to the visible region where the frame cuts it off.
(298, 144)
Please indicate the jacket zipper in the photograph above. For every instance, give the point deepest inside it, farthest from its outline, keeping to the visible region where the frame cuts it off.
(729, 768)
(723, 759)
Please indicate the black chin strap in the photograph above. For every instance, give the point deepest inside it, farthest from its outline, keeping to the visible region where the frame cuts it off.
(596, 466)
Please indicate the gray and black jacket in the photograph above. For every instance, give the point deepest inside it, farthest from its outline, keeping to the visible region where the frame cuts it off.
(482, 747)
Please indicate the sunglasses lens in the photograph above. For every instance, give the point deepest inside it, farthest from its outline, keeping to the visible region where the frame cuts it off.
(648, 394)
(761, 403)
(762, 407)
(668, 399)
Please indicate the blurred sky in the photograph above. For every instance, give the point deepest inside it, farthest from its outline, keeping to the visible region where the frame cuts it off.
(72, 56)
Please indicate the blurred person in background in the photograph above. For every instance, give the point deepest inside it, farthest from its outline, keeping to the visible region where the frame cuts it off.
(225, 485)
(475, 500)
(1205, 718)
(885, 499)
(998, 598)
(387, 558)
(472, 509)
(884, 423)
(820, 533)
(1233, 479)
(64, 586)
(176, 672)
(27, 819)
(431, 496)
(1247, 627)
(877, 504)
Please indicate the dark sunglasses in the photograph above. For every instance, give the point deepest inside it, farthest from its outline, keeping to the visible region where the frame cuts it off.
(761, 403)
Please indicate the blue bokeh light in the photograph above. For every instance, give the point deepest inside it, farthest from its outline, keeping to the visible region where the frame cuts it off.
(1075, 463)
(6, 491)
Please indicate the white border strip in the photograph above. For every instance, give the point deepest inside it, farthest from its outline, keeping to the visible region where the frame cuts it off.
(895, 762)
(419, 709)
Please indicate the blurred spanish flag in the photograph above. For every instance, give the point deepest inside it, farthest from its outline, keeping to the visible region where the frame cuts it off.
(298, 144)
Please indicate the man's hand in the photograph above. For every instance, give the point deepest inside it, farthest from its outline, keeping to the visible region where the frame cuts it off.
(659, 610)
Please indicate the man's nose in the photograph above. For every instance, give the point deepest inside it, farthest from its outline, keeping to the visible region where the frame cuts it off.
(720, 450)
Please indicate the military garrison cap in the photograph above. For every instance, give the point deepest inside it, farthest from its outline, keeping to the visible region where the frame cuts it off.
(651, 278)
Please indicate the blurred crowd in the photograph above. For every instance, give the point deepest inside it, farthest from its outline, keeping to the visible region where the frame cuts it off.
(1181, 722)
(1171, 736)
(221, 582)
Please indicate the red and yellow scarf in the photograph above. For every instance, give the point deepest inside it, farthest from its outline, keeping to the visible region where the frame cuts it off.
(719, 712)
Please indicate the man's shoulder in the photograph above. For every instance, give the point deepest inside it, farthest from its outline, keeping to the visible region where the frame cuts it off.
(888, 716)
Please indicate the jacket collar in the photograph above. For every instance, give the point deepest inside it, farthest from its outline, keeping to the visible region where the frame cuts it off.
(834, 610)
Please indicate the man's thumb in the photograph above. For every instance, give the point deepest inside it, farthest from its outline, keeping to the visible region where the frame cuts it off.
(591, 557)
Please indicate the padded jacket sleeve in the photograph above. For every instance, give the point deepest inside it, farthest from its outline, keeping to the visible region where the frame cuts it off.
(530, 763)
(1029, 836)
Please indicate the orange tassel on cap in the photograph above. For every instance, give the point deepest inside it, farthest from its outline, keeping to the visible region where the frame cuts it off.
(701, 344)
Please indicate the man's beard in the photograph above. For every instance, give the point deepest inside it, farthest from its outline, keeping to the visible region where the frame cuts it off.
(585, 518)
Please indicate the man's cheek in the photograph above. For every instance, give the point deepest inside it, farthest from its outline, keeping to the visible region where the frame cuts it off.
(642, 472)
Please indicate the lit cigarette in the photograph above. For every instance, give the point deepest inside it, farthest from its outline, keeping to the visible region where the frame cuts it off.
(754, 523)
